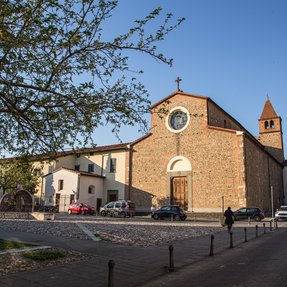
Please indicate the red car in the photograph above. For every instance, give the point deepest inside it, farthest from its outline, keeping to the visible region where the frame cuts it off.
(81, 208)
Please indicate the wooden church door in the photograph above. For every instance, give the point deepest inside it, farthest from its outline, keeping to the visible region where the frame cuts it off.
(179, 191)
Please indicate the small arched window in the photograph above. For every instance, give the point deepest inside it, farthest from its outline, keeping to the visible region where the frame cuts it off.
(272, 124)
(91, 189)
(266, 124)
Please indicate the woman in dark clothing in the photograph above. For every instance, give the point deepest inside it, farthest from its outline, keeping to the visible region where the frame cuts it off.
(229, 218)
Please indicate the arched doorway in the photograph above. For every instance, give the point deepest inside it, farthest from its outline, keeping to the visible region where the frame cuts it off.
(17, 201)
(179, 182)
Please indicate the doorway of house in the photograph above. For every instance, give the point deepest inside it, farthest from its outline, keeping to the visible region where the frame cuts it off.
(179, 191)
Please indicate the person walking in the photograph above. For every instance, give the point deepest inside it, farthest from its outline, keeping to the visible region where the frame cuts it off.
(228, 214)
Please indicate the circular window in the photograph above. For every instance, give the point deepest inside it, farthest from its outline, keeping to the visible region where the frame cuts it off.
(177, 120)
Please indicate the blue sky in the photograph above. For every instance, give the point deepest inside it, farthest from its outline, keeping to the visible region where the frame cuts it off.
(234, 52)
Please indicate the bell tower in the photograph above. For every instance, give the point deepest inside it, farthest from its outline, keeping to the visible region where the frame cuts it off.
(270, 131)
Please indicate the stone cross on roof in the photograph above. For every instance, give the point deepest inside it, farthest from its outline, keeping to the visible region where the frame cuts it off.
(178, 80)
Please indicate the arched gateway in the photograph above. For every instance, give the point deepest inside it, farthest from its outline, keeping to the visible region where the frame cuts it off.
(17, 201)
(179, 182)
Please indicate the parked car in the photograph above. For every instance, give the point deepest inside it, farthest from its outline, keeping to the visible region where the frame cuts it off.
(121, 208)
(172, 212)
(254, 213)
(281, 213)
(81, 208)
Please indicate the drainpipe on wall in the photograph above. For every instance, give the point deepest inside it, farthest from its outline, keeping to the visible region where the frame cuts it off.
(41, 196)
(102, 167)
(78, 187)
(130, 172)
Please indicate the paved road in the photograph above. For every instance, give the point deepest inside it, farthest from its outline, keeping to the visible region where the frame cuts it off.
(138, 266)
(260, 262)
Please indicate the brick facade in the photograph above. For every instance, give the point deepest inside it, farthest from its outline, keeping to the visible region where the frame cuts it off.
(228, 165)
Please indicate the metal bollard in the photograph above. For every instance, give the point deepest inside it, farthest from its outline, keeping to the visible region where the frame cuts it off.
(248, 220)
(264, 228)
(211, 245)
(276, 224)
(111, 265)
(171, 260)
(270, 225)
(245, 234)
(256, 233)
(231, 239)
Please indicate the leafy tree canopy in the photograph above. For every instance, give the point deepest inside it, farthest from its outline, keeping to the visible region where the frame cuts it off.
(47, 48)
(18, 172)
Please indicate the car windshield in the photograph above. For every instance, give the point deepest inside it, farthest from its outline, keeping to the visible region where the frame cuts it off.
(242, 210)
(165, 208)
(283, 208)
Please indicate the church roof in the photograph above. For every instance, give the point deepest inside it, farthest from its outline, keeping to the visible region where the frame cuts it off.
(268, 111)
(166, 99)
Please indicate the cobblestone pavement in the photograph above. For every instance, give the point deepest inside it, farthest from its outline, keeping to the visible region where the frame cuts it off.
(135, 232)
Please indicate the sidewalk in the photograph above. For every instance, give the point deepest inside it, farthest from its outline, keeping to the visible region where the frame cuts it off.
(134, 266)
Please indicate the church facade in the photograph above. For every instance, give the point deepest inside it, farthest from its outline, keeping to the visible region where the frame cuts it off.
(196, 156)
(201, 158)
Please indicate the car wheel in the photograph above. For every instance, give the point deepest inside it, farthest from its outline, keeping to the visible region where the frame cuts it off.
(156, 217)
(123, 214)
(176, 217)
(92, 213)
(69, 211)
(103, 213)
(257, 218)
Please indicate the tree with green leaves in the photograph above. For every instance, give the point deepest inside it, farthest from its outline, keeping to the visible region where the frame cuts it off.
(62, 75)
(18, 172)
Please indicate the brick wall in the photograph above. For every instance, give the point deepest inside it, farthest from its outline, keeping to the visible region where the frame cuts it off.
(262, 172)
(219, 118)
(215, 154)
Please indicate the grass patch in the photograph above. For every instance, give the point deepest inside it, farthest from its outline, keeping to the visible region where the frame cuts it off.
(11, 244)
(43, 255)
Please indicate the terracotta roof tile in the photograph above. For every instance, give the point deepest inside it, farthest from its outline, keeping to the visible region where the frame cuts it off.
(268, 111)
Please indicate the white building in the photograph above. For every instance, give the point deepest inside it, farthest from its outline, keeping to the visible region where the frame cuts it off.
(64, 186)
(93, 176)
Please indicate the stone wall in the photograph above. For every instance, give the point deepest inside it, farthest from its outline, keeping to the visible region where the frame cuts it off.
(273, 143)
(16, 215)
(215, 154)
(262, 172)
(219, 118)
(272, 138)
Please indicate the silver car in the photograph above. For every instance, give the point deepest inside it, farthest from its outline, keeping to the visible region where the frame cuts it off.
(281, 213)
(120, 208)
